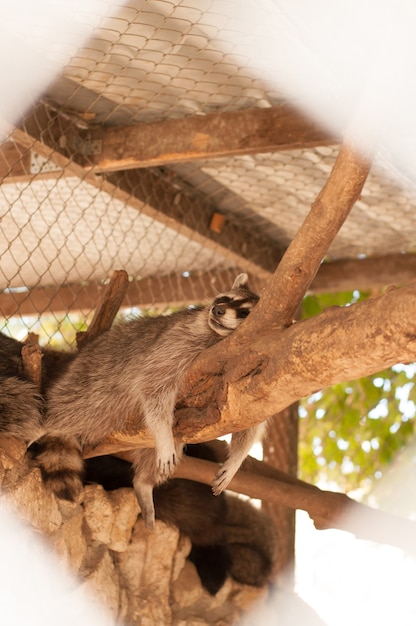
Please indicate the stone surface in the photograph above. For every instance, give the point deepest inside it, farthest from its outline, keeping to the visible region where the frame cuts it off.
(142, 577)
(33, 503)
(186, 590)
(98, 513)
(70, 542)
(11, 451)
(103, 583)
(125, 513)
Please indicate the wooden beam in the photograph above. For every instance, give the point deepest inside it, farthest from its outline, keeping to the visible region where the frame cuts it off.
(108, 149)
(250, 131)
(173, 290)
(365, 274)
(179, 207)
(178, 290)
(14, 161)
(54, 136)
(19, 164)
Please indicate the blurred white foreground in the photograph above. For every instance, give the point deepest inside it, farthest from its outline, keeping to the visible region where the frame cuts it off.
(352, 66)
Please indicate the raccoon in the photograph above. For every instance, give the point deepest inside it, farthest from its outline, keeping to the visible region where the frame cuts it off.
(21, 402)
(135, 370)
(229, 537)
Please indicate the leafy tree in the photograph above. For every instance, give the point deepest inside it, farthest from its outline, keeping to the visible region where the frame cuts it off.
(351, 431)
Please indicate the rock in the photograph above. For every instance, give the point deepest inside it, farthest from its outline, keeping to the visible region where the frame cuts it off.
(181, 555)
(69, 541)
(110, 516)
(125, 513)
(98, 513)
(161, 545)
(12, 450)
(131, 562)
(244, 596)
(103, 584)
(145, 571)
(187, 590)
(143, 577)
(29, 498)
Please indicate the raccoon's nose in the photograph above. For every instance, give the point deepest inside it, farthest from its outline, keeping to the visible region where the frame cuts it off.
(218, 311)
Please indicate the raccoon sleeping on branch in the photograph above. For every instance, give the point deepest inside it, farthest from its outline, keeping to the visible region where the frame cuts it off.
(134, 370)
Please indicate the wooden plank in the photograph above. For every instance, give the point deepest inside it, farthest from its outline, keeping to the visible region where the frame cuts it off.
(20, 164)
(365, 274)
(14, 161)
(173, 290)
(179, 290)
(249, 131)
(108, 149)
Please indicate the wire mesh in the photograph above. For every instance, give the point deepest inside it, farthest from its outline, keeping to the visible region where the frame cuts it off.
(65, 227)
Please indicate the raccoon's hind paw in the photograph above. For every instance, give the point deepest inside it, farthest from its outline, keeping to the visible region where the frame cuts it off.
(222, 480)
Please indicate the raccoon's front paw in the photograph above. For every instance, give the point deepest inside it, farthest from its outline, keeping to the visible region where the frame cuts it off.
(148, 513)
(144, 494)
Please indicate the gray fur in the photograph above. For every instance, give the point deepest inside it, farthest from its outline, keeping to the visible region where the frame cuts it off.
(21, 407)
(131, 375)
(21, 404)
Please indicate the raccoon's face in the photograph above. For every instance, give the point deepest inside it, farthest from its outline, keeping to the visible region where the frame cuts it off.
(229, 309)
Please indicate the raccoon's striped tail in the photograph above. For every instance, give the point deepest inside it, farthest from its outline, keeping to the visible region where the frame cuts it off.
(61, 465)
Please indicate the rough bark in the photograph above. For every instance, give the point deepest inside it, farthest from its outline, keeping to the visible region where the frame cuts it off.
(108, 306)
(32, 359)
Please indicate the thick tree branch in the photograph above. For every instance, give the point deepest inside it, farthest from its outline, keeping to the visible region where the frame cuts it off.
(366, 274)
(326, 508)
(107, 308)
(32, 359)
(341, 344)
(284, 292)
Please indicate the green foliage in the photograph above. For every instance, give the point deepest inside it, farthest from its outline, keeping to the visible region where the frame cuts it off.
(313, 305)
(350, 432)
(56, 332)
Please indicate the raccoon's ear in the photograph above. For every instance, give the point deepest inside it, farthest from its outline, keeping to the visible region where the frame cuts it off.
(240, 281)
